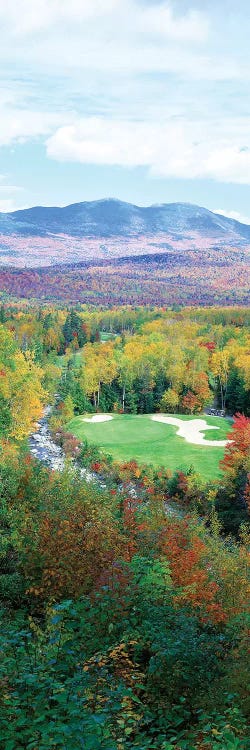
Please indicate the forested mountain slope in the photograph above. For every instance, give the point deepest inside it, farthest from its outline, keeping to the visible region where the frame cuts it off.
(204, 277)
(112, 217)
(111, 228)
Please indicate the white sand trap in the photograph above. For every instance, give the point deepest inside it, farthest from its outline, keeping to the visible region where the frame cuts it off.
(99, 418)
(191, 431)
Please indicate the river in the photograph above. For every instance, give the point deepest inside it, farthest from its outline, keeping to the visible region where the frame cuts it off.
(43, 447)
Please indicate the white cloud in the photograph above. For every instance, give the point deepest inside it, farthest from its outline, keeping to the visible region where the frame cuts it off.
(161, 20)
(10, 196)
(19, 125)
(229, 164)
(138, 77)
(180, 149)
(94, 50)
(44, 15)
(9, 188)
(236, 215)
(115, 36)
(9, 204)
(41, 15)
(102, 141)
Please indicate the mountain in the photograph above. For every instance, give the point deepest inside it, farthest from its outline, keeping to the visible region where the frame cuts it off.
(112, 218)
(110, 228)
(217, 277)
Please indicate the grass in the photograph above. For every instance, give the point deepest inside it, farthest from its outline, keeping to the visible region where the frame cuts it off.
(136, 436)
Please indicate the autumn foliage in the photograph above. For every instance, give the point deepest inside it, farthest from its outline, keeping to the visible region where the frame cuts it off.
(236, 462)
(237, 453)
(187, 555)
(124, 600)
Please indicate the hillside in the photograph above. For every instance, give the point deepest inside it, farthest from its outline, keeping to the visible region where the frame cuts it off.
(43, 236)
(203, 277)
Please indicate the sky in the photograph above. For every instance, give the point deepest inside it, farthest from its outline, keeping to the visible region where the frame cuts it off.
(140, 100)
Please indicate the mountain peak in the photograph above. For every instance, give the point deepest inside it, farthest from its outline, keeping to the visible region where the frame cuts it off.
(93, 229)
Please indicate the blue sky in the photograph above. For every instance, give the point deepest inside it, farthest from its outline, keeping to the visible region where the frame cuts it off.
(141, 100)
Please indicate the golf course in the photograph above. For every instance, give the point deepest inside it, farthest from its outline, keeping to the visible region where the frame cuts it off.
(152, 439)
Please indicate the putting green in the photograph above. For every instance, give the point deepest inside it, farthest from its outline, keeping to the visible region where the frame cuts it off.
(132, 436)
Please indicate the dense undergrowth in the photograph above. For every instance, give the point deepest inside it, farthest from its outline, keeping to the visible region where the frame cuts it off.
(121, 627)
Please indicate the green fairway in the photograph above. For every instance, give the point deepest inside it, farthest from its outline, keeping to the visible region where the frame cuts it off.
(138, 437)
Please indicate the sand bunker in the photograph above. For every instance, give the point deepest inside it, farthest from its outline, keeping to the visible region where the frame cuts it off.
(99, 418)
(191, 431)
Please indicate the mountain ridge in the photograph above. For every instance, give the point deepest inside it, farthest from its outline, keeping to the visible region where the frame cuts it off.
(109, 228)
(113, 217)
